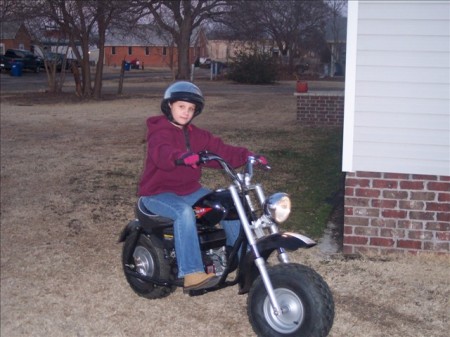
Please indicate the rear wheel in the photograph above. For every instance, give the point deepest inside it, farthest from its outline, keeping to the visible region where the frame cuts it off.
(146, 258)
(304, 297)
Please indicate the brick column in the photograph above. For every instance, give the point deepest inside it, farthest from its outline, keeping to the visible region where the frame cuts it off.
(389, 212)
(320, 108)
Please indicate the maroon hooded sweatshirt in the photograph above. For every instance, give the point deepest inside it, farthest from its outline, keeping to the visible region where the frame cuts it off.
(166, 143)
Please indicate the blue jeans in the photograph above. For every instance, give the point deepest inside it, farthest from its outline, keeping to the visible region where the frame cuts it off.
(187, 246)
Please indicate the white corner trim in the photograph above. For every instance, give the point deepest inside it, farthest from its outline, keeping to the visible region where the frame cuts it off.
(350, 86)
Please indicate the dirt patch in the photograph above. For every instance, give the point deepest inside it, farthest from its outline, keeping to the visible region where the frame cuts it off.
(68, 180)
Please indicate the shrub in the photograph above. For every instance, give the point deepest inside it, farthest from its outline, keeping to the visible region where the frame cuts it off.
(256, 68)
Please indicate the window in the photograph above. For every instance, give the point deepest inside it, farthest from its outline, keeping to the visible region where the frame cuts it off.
(113, 50)
(147, 50)
(2, 49)
(130, 50)
(164, 51)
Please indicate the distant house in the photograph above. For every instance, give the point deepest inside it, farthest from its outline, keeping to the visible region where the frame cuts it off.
(396, 149)
(14, 35)
(54, 40)
(219, 48)
(145, 44)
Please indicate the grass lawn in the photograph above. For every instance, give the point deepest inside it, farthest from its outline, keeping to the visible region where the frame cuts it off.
(306, 164)
(68, 186)
(315, 177)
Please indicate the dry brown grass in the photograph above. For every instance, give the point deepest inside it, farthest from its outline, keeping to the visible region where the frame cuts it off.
(68, 182)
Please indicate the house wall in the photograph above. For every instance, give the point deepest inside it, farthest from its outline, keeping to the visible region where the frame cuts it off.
(400, 120)
(22, 38)
(225, 50)
(155, 58)
(200, 45)
(391, 212)
(220, 50)
(397, 126)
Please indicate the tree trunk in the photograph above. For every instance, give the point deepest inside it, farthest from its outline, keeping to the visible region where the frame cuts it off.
(102, 24)
(183, 61)
(76, 77)
(86, 71)
(183, 43)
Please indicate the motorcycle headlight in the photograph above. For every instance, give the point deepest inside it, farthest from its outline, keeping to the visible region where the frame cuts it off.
(278, 207)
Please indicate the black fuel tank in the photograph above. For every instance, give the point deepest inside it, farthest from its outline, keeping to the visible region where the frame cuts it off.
(215, 207)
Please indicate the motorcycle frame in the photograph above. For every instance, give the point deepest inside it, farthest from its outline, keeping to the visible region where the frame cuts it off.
(247, 268)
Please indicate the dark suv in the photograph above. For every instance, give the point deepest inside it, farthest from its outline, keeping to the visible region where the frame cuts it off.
(28, 60)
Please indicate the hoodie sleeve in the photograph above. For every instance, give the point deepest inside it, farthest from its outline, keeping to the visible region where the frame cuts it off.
(235, 155)
(162, 151)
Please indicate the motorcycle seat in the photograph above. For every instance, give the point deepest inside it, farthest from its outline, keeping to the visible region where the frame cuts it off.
(152, 220)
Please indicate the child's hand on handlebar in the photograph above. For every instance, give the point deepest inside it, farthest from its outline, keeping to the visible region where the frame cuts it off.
(261, 159)
(188, 159)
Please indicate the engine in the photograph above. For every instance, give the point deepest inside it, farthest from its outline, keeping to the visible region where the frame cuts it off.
(215, 260)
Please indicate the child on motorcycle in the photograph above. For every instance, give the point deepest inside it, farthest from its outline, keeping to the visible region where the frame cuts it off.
(169, 189)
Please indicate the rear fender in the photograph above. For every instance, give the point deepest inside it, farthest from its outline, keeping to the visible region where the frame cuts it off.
(128, 229)
(266, 245)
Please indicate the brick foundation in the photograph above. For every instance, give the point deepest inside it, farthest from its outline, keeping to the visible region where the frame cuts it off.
(389, 212)
(320, 109)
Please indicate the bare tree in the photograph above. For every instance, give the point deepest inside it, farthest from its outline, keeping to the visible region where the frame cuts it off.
(289, 23)
(8, 8)
(180, 18)
(79, 22)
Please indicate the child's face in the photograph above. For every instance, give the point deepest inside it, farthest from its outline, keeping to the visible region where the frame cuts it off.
(182, 112)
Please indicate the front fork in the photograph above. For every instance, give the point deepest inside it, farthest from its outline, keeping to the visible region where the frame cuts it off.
(259, 260)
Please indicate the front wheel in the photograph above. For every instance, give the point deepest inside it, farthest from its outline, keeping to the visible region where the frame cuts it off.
(304, 297)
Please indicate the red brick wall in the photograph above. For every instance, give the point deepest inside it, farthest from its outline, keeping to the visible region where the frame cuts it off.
(154, 58)
(389, 212)
(319, 109)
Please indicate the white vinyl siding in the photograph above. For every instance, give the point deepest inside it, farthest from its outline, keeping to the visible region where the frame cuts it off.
(398, 115)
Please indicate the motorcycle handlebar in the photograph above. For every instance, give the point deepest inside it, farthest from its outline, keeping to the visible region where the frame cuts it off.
(205, 156)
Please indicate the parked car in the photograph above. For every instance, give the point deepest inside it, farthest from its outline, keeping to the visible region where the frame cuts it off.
(135, 64)
(203, 62)
(2, 62)
(5, 63)
(28, 59)
(58, 59)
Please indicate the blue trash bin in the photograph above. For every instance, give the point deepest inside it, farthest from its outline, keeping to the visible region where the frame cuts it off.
(127, 66)
(16, 69)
